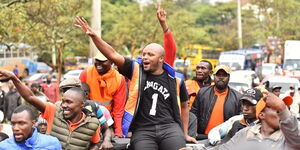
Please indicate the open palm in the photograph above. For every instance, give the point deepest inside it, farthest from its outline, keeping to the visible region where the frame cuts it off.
(83, 25)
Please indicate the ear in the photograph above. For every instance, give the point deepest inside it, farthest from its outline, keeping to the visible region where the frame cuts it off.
(161, 59)
(261, 115)
(33, 123)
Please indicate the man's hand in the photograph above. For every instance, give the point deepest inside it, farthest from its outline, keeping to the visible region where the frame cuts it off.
(6, 75)
(106, 145)
(84, 26)
(162, 18)
(161, 14)
(275, 102)
(190, 139)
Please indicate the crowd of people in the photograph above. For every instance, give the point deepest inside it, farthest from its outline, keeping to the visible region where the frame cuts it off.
(146, 100)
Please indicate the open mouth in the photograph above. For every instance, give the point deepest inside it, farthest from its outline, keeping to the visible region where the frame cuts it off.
(18, 136)
(200, 75)
(146, 63)
(66, 112)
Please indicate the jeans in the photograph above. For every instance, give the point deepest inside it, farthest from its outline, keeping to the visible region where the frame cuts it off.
(158, 137)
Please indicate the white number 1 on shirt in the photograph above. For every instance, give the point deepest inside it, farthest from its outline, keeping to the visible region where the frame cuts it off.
(154, 102)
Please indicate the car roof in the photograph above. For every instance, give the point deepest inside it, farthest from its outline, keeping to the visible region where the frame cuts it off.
(283, 79)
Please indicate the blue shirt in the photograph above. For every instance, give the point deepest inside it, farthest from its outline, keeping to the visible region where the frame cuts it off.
(37, 141)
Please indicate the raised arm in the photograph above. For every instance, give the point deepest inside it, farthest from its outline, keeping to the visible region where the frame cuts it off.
(289, 125)
(24, 91)
(169, 42)
(102, 46)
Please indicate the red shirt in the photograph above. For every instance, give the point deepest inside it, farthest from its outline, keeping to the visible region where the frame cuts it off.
(51, 91)
(170, 48)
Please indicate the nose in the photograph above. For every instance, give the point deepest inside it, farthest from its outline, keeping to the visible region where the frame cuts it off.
(245, 108)
(15, 127)
(63, 105)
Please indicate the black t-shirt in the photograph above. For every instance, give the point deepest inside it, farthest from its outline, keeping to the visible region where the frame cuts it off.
(156, 89)
(156, 102)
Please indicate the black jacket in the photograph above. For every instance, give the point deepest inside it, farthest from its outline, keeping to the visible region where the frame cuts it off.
(204, 104)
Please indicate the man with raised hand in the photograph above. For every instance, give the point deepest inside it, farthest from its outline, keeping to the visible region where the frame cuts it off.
(277, 129)
(152, 111)
(73, 128)
(169, 42)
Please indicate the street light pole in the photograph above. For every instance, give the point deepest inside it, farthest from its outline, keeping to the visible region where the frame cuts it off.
(239, 24)
(95, 24)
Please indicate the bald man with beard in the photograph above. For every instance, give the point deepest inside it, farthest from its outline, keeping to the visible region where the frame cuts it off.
(156, 97)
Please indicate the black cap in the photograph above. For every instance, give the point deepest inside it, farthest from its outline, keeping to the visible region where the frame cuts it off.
(252, 95)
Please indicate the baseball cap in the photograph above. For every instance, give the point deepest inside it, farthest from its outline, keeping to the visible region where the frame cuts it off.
(40, 120)
(35, 85)
(222, 67)
(288, 100)
(70, 82)
(252, 95)
(100, 56)
(275, 87)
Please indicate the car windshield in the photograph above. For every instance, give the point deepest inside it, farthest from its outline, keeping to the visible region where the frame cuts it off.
(239, 86)
(291, 65)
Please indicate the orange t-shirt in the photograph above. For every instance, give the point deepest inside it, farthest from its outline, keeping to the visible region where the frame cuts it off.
(217, 115)
(49, 116)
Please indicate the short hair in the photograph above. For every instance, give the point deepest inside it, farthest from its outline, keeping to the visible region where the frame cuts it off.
(209, 64)
(79, 91)
(3, 136)
(22, 108)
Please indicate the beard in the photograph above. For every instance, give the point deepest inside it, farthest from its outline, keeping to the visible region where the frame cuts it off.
(221, 85)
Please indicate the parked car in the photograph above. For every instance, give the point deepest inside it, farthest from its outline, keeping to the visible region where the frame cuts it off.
(39, 78)
(270, 69)
(242, 80)
(283, 81)
(72, 74)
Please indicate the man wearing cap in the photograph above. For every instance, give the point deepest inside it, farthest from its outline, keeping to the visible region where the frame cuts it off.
(277, 129)
(236, 123)
(108, 88)
(91, 108)
(216, 103)
(275, 89)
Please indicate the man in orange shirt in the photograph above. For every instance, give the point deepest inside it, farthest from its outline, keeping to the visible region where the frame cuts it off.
(107, 88)
(73, 128)
(216, 103)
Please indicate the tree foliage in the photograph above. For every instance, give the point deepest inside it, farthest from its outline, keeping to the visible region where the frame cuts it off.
(127, 26)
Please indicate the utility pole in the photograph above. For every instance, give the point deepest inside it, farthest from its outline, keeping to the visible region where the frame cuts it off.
(239, 24)
(95, 24)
